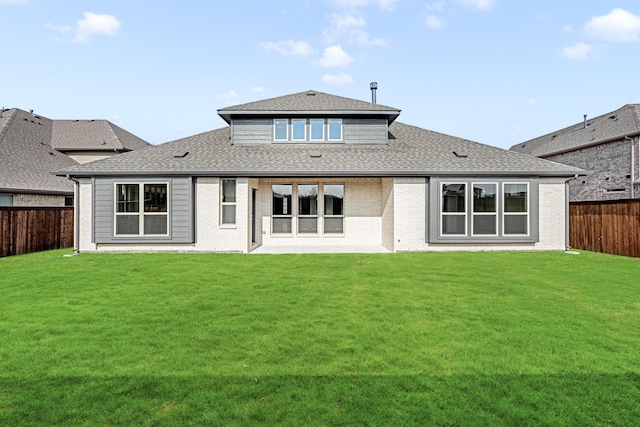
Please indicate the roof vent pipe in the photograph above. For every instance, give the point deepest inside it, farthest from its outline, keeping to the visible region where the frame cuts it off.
(374, 87)
(585, 121)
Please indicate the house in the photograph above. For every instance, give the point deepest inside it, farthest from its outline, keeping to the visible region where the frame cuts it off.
(33, 146)
(321, 171)
(606, 146)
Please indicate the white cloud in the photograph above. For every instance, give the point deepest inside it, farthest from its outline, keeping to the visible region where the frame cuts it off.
(288, 48)
(579, 51)
(567, 29)
(435, 22)
(436, 6)
(338, 79)
(335, 56)
(231, 94)
(349, 27)
(617, 26)
(257, 89)
(533, 102)
(94, 24)
(480, 4)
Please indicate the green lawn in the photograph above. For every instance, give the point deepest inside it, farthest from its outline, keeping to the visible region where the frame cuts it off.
(425, 339)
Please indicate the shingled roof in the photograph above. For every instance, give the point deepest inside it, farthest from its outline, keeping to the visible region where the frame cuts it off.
(33, 146)
(411, 151)
(94, 135)
(309, 102)
(607, 127)
(27, 157)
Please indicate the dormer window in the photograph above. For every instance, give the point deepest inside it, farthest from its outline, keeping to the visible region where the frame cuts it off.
(335, 129)
(307, 130)
(299, 129)
(281, 129)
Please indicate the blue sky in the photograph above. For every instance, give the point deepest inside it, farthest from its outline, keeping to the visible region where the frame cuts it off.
(495, 71)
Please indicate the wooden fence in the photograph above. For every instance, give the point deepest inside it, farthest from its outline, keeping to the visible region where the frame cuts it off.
(32, 229)
(611, 227)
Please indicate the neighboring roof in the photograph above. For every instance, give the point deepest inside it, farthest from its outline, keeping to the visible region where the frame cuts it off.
(309, 102)
(31, 147)
(607, 127)
(411, 151)
(93, 135)
(26, 156)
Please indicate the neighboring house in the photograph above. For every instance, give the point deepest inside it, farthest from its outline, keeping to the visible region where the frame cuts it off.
(32, 146)
(313, 169)
(605, 146)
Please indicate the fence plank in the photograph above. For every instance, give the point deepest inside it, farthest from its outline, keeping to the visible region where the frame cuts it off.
(606, 226)
(31, 229)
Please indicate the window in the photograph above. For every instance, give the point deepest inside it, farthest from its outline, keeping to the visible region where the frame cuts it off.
(483, 210)
(281, 207)
(307, 208)
(228, 198)
(6, 199)
(317, 129)
(68, 201)
(141, 209)
(454, 209)
(335, 129)
(333, 208)
(516, 209)
(485, 213)
(280, 129)
(299, 129)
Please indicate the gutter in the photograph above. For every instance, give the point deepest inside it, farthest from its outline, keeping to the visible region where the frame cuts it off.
(76, 216)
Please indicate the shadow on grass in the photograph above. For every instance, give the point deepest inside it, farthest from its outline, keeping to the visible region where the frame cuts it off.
(458, 400)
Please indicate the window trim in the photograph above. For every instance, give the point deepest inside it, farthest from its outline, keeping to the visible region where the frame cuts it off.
(324, 214)
(223, 203)
(286, 130)
(434, 211)
(322, 125)
(526, 213)
(309, 216)
(141, 212)
(338, 120)
(494, 213)
(304, 129)
(464, 214)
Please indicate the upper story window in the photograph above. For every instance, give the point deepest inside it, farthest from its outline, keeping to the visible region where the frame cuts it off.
(281, 129)
(335, 129)
(307, 130)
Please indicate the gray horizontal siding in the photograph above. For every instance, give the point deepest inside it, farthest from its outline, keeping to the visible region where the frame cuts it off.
(181, 207)
(355, 131)
(252, 131)
(365, 131)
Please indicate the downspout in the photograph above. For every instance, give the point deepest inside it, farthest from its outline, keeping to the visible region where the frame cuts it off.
(567, 207)
(76, 217)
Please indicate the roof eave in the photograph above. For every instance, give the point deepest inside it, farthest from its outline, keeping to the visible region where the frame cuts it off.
(228, 114)
(589, 144)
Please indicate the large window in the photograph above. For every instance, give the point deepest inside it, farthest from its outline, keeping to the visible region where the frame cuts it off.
(335, 129)
(333, 208)
(483, 210)
(141, 209)
(281, 129)
(316, 131)
(307, 208)
(299, 129)
(516, 209)
(281, 207)
(228, 198)
(319, 208)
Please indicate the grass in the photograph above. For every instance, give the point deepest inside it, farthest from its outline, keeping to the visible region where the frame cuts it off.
(456, 339)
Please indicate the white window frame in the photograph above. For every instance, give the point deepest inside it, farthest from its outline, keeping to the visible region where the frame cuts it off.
(463, 214)
(324, 214)
(290, 209)
(141, 213)
(310, 216)
(526, 214)
(223, 203)
(329, 129)
(304, 129)
(275, 133)
(311, 121)
(474, 213)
